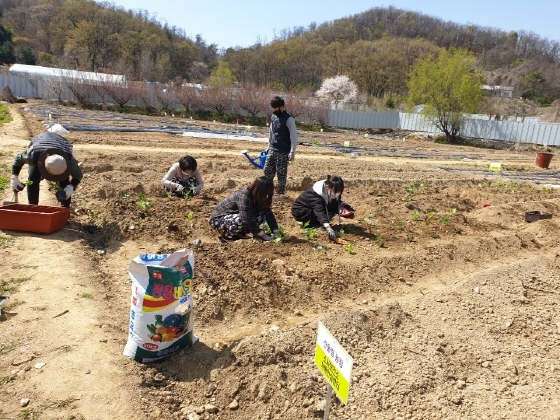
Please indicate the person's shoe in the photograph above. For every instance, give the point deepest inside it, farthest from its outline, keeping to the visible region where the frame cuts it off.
(226, 239)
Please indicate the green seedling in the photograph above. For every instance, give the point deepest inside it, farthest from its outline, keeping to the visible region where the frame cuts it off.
(445, 218)
(143, 201)
(125, 195)
(28, 182)
(400, 225)
(315, 144)
(429, 216)
(269, 232)
(189, 193)
(27, 414)
(309, 233)
(340, 233)
(416, 215)
(379, 241)
(168, 194)
(5, 242)
(4, 182)
(190, 215)
(350, 249)
(411, 190)
(410, 238)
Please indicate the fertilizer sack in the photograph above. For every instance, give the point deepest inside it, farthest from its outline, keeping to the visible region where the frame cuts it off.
(161, 313)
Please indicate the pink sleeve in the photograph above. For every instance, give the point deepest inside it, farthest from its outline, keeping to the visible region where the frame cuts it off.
(198, 177)
(171, 173)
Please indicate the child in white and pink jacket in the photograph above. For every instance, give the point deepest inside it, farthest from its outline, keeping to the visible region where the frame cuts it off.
(183, 178)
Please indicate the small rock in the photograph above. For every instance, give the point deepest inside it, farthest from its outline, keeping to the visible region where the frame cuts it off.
(193, 416)
(159, 377)
(321, 406)
(24, 402)
(39, 365)
(21, 360)
(477, 290)
(461, 384)
(457, 399)
(485, 364)
(196, 242)
(210, 408)
(234, 405)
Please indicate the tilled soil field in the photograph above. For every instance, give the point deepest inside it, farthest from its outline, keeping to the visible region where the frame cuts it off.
(446, 298)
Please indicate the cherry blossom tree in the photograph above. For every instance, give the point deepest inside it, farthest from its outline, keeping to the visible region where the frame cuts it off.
(338, 89)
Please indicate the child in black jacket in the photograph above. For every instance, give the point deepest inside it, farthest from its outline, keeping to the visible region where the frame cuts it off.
(319, 204)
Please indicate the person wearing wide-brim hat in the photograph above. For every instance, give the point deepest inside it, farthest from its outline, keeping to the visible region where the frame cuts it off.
(49, 156)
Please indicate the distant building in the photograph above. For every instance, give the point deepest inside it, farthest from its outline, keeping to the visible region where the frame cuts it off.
(498, 91)
(38, 72)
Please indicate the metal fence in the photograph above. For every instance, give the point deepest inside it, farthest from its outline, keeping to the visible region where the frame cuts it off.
(546, 134)
(528, 131)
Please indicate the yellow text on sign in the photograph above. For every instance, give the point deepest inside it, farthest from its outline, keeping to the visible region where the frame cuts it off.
(333, 362)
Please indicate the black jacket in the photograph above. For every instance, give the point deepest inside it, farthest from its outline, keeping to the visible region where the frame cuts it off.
(313, 206)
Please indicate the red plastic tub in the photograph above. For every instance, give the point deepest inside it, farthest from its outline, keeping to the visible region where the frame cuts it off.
(32, 218)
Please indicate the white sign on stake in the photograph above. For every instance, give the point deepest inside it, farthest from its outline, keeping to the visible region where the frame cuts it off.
(334, 362)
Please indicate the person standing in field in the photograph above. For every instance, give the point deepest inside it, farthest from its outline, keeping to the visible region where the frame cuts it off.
(282, 143)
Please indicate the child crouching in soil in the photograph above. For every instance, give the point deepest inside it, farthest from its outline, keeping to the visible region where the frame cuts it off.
(244, 211)
(318, 205)
(183, 178)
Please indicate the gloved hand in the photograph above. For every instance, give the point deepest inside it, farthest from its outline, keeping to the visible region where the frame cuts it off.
(347, 206)
(179, 188)
(263, 236)
(196, 191)
(15, 184)
(69, 190)
(330, 232)
(291, 156)
(275, 233)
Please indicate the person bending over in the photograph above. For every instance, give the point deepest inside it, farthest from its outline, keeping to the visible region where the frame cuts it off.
(244, 212)
(49, 156)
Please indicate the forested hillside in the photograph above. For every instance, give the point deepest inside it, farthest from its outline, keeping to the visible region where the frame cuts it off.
(375, 49)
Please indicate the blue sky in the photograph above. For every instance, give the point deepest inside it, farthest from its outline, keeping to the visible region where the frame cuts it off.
(244, 22)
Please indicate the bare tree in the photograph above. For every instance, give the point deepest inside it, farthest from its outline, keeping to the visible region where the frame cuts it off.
(80, 86)
(55, 85)
(122, 93)
(295, 104)
(187, 95)
(165, 96)
(254, 100)
(317, 110)
(217, 98)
